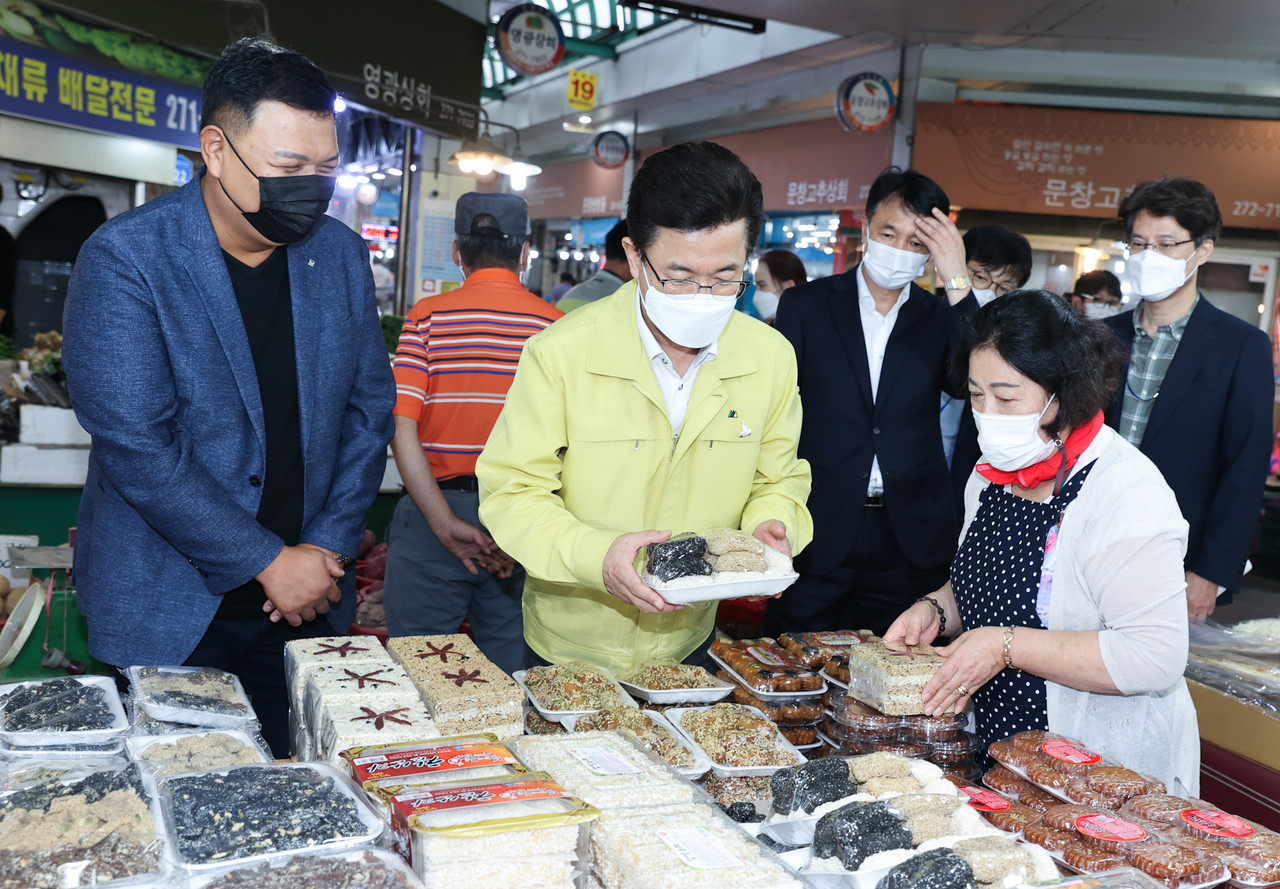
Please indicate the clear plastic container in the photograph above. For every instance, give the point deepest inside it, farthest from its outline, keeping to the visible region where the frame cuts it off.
(180, 753)
(285, 807)
(934, 728)
(199, 696)
(366, 868)
(58, 712)
(863, 720)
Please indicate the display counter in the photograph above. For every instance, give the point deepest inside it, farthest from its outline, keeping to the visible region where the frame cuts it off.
(1240, 755)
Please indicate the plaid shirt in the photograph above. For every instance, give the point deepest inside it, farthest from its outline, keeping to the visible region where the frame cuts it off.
(1148, 363)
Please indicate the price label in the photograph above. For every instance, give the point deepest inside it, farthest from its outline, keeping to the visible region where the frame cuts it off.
(1217, 824)
(985, 800)
(1068, 752)
(582, 90)
(604, 760)
(1108, 827)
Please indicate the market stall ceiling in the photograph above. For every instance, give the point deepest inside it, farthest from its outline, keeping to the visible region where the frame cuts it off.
(1201, 28)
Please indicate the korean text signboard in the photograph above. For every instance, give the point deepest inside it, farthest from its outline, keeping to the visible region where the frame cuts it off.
(43, 84)
(1073, 162)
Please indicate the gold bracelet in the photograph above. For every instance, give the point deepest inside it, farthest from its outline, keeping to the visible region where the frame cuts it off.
(1008, 649)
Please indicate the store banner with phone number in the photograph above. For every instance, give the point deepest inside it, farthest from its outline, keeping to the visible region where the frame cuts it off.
(42, 84)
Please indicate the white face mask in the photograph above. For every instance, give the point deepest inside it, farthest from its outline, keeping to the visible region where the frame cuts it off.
(1010, 442)
(1096, 311)
(766, 304)
(691, 321)
(1154, 276)
(890, 267)
(983, 296)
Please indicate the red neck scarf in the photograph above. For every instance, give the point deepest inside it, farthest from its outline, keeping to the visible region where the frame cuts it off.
(1057, 465)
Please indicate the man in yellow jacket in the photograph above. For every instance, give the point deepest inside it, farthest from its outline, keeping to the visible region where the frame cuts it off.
(654, 410)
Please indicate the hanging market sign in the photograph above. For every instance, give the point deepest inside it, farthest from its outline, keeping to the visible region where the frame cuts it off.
(530, 39)
(610, 149)
(865, 103)
(43, 84)
(582, 90)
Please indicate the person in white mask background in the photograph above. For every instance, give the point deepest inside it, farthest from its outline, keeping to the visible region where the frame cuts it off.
(1099, 295)
(874, 349)
(1197, 392)
(658, 408)
(776, 273)
(1065, 598)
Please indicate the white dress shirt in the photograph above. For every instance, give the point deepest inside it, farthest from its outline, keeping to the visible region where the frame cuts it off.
(876, 329)
(675, 389)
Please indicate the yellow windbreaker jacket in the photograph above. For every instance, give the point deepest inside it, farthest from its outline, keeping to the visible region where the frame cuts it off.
(584, 451)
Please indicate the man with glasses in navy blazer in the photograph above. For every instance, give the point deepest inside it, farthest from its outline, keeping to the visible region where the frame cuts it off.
(1197, 392)
(223, 349)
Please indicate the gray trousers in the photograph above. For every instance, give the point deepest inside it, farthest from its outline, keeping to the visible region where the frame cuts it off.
(429, 592)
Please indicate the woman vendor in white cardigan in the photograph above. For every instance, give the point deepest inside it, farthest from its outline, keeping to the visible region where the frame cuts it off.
(1066, 597)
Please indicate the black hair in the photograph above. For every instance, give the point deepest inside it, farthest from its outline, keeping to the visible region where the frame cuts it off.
(1186, 200)
(567, 278)
(613, 249)
(1039, 335)
(1096, 281)
(994, 248)
(784, 266)
(252, 71)
(489, 250)
(691, 187)
(918, 193)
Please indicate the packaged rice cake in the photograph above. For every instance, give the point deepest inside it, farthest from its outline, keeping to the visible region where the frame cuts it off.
(524, 829)
(891, 678)
(608, 769)
(414, 764)
(303, 655)
(464, 690)
(333, 682)
(373, 719)
(677, 847)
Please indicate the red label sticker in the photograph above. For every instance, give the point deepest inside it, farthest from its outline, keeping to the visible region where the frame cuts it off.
(1218, 824)
(985, 800)
(767, 657)
(1069, 752)
(1109, 827)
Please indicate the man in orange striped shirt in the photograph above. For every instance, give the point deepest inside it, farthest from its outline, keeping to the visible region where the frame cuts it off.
(455, 361)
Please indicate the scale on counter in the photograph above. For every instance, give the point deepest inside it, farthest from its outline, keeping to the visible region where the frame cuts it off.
(17, 629)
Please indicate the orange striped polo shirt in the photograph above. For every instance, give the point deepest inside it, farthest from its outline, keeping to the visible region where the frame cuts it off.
(455, 361)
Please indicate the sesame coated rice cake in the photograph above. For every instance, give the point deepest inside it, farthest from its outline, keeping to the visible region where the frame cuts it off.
(465, 691)
(891, 679)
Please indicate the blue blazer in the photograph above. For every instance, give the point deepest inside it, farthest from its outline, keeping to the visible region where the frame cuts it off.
(1210, 434)
(843, 428)
(161, 376)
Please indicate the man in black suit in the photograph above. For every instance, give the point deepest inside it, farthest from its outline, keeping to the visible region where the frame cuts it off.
(1198, 389)
(874, 350)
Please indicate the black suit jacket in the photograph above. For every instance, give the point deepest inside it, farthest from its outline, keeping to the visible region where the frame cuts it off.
(1210, 434)
(844, 429)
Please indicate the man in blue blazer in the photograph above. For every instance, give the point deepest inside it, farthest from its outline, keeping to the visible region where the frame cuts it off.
(223, 349)
(874, 352)
(1198, 389)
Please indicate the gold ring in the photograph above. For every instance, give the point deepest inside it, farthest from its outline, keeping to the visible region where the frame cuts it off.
(961, 691)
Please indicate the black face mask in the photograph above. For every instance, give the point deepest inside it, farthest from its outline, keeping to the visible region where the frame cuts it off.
(288, 206)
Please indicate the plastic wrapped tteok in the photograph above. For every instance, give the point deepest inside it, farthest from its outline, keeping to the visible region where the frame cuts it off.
(98, 822)
(55, 712)
(200, 696)
(527, 817)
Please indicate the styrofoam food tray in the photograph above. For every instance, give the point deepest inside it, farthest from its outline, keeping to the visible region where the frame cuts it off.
(675, 716)
(719, 692)
(559, 715)
(139, 744)
(58, 739)
(714, 592)
(368, 817)
(701, 763)
(770, 695)
(393, 862)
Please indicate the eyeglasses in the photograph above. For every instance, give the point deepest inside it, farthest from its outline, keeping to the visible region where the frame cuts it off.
(1163, 247)
(983, 281)
(683, 288)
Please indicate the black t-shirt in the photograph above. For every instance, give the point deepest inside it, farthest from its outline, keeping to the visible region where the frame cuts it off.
(265, 306)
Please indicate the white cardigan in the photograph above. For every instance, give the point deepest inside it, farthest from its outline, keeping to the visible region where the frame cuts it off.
(1119, 570)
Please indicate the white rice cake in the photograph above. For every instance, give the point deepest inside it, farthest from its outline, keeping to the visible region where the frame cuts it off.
(337, 681)
(372, 719)
(609, 770)
(302, 655)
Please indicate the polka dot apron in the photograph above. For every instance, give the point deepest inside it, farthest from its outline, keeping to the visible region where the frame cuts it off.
(1002, 576)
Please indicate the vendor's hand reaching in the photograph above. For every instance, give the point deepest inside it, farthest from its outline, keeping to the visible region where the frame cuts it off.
(773, 533)
(621, 579)
(969, 663)
(917, 625)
